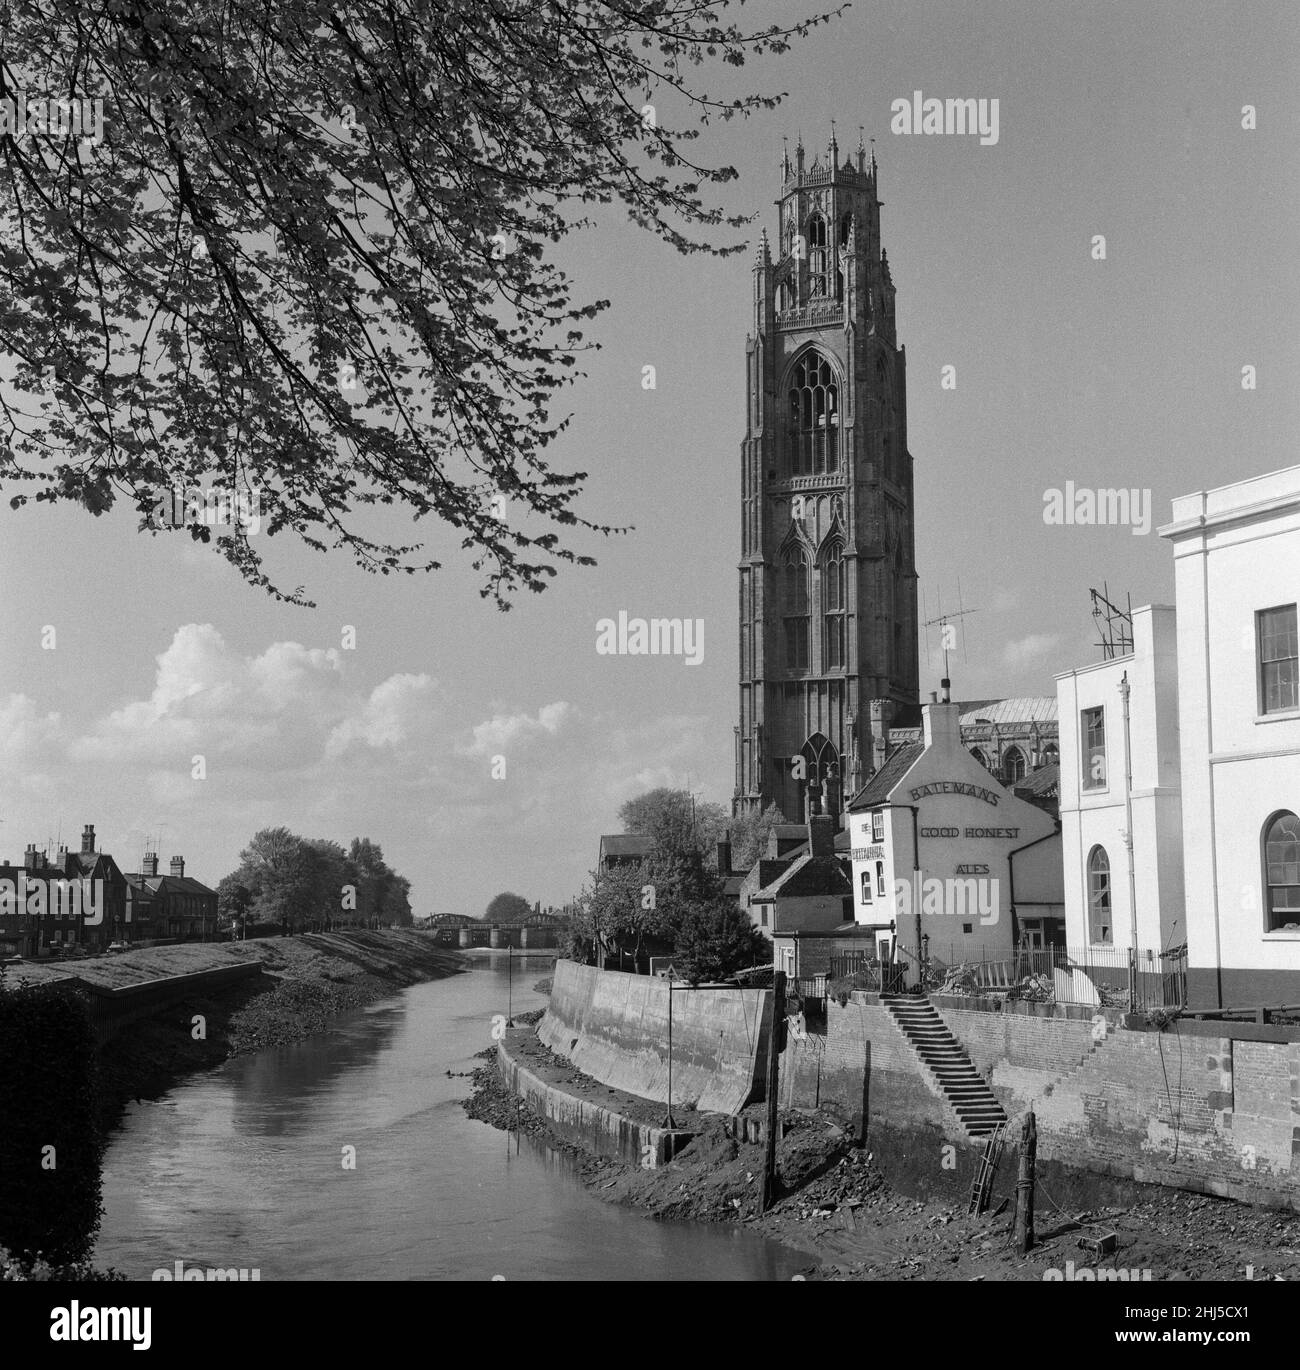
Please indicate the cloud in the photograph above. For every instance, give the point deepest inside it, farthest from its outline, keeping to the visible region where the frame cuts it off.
(504, 731)
(1025, 651)
(393, 713)
(25, 732)
(284, 709)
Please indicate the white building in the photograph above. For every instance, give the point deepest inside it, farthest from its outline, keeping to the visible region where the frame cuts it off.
(1237, 576)
(943, 851)
(1105, 789)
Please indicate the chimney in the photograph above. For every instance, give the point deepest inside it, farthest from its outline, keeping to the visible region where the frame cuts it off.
(31, 861)
(821, 835)
(178, 866)
(150, 864)
(881, 711)
(724, 854)
(942, 724)
(88, 839)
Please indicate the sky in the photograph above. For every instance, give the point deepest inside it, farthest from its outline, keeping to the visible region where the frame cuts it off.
(1122, 120)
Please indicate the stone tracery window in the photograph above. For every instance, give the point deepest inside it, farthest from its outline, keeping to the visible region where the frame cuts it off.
(818, 279)
(833, 610)
(814, 418)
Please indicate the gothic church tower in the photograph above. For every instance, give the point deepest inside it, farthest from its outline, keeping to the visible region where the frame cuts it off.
(828, 618)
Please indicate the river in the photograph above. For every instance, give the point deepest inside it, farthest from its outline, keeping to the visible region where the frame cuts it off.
(243, 1166)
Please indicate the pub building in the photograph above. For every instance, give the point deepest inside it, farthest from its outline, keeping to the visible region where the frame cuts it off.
(947, 862)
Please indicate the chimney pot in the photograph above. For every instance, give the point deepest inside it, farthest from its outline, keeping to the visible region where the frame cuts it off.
(821, 835)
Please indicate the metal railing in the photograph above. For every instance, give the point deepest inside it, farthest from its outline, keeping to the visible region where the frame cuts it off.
(868, 973)
(1093, 975)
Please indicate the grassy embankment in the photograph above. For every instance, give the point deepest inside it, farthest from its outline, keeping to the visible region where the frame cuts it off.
(308, 981)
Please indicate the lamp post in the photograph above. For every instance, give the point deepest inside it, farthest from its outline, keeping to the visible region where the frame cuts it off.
(1128, 843)
(668, 1117)
(510, 983)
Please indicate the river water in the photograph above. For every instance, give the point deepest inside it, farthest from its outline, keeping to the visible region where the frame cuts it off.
(243, 1166)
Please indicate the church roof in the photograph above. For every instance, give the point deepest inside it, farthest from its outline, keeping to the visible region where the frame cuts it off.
(1008, 712)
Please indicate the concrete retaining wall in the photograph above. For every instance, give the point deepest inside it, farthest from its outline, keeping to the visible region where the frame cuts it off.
(597, 1129)
(614, 1027)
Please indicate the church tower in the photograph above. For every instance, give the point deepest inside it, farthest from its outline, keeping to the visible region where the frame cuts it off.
(828, 624)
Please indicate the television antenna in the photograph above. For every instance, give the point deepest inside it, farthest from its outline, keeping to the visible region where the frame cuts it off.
(1116, 624)
(947, 638)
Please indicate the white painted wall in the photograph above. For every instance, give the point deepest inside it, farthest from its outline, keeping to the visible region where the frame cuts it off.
(1096, 816)
(1236, 551)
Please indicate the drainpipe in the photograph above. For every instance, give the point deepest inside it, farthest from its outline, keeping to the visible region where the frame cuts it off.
(1011, 869)
(1128, 843)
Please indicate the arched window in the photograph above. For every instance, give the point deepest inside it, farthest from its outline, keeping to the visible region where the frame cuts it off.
(833, 611)
(866, 885)
(796, 612)
(823, 768)
(814, 418)
(817, 257)
(846, 227)
(980, 757)
(1013, 766)
(1282, 872)
(1099, 924)
(900, 613)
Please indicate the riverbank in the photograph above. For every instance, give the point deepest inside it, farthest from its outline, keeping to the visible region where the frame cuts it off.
(308, 981)
(837, 1206)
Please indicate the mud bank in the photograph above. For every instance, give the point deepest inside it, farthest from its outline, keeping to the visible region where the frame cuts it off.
(308, 981)
(892, 1210)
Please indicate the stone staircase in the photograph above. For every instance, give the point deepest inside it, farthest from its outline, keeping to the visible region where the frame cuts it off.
(945, 1061)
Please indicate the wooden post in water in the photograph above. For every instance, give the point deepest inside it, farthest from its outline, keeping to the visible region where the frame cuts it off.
(1025, 1185)
(773, 1057)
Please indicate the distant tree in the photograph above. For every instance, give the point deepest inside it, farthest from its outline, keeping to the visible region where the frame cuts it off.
(234, 900)
(276, 867)
(675, 822)
(374, 878)
(624, 908)
(714, 939)
(508, 908)
(330, 872)
(749, 834)
(397, 903)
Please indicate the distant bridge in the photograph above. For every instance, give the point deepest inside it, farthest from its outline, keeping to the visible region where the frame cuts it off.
(531, 935)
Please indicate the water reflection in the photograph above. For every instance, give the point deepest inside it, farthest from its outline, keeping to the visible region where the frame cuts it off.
(245, 1166)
